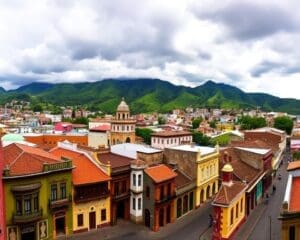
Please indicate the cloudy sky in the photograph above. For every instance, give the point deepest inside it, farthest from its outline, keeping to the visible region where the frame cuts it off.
(253, 44)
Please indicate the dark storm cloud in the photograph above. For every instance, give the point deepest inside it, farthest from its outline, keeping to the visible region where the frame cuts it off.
(264, 67)
(246, 20)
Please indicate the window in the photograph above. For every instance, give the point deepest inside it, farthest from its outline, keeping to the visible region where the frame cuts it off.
(237, 210)
(27, 205)
(231, 216)
(139, 180)
(63, 191)
(162, 194)
(80, 220)
(139, 203)
(124, 189)
(169, 189)
(103, 214)
(53, 192)
(133, 203)
(148, 192)
(241, 204)
(19, 206)
(134, 179)
(35, 203)
(292, 233)
(116, 188)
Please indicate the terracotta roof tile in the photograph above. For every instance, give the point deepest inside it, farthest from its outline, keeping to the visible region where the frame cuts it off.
(160, 173)
(101, 128)
(295, 195)
(171, 133)
(24, 160)
(293, 165)
(86, 172)
(227, 193)
(115, 160)
(182, 180)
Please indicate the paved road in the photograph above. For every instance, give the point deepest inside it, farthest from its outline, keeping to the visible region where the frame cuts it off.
(188, 227)
(262, 228)
(257, 226)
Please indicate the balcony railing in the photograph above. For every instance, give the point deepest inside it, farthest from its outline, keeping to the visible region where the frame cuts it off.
(121, 195)
(27, 217)
(57, 166)
(82, 199)
(59, 203)
(165, 198)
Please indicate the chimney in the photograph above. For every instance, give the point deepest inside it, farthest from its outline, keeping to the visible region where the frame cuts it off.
(227, 172)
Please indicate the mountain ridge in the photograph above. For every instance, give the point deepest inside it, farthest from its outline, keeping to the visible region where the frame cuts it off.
(148, 95)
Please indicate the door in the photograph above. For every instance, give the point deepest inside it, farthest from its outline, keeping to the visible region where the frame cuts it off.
(147, 218)
(92, 220)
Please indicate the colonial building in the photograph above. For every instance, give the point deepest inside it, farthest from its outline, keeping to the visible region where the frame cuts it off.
(38, 193)
(166, 139)
(159, 188)
(228, 206)
(251, 166)
(122, 126)
(2, 197)
(118, 168)
(99, 136)
(136, 190)
(201, 164)
(290, 211)
(91, 196)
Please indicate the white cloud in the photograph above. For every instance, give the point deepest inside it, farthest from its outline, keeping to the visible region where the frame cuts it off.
(184, 42)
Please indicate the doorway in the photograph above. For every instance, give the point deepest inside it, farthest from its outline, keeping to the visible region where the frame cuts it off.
(60, 224)
(147, 218)
(28, 233)
(92, 220)
(120, 209)
(161, 217)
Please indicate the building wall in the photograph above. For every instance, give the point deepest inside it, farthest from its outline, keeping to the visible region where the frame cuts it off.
(148, 203)
(51, 140)
(44, 197)
(2, 197)
(207, 177)
(285, 228)
(86, 208)
(136, 215)
(150, 158)
(95, 139)
(252, 159)
(164, 142)
(227, 229)
(121, 137)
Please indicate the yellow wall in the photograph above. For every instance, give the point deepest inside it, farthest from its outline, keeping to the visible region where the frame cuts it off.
(207, 175)
(86, 208)
(225, 127)
(227, 227)
(286, 223)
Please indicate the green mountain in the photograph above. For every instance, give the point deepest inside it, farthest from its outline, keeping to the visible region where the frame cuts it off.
(147, 95)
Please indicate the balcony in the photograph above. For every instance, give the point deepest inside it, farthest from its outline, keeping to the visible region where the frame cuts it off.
(57, 166)
(21, 218)
(120, 196)
(60, 203)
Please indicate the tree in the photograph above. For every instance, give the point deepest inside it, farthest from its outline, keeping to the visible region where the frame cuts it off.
(81, 120)
(161, 120)
(200, 139)
(37, 108)
(213, 124)
(248, 122)
(196, 122)
(284, 123)
(144, 133)
(296, 156)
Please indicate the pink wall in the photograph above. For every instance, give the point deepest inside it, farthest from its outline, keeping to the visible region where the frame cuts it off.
(2, 208)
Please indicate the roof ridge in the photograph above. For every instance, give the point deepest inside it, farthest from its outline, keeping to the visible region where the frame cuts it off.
(225, 193)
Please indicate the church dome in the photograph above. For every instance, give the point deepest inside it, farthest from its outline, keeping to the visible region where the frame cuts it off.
(123, 107)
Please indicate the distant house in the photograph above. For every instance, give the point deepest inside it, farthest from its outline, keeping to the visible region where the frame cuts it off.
(166, 139)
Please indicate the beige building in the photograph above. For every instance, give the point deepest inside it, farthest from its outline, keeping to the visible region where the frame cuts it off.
(122, 126)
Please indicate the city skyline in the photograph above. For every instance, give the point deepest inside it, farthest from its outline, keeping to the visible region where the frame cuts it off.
(248, 44)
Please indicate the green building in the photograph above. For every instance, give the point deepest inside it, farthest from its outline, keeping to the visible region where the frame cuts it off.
(37, 189)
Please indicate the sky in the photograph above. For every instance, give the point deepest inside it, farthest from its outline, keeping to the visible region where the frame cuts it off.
(253, 45)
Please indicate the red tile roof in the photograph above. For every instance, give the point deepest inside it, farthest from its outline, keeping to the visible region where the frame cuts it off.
(86, 172)
(116, 161)
(295, 195)
(227, 193)
(171, 133)
(182, 180)
(160, 173)
(23, 160)
(293, 165)
(101, 128)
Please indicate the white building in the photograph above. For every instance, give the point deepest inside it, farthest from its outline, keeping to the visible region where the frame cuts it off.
(166, 139)
(99, 136)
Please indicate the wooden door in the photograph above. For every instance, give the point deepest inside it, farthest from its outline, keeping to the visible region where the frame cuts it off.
(92, 220)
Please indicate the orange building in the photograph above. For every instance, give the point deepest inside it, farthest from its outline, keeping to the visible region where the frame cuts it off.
(48, 141)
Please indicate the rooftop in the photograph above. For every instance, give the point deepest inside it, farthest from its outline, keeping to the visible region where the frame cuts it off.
(190, 148)
(160, 173)
(86, 171)
(130, 149)
(116, 161)
(293, 165)
(171, 133)
(295, 195)
(260, 151)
